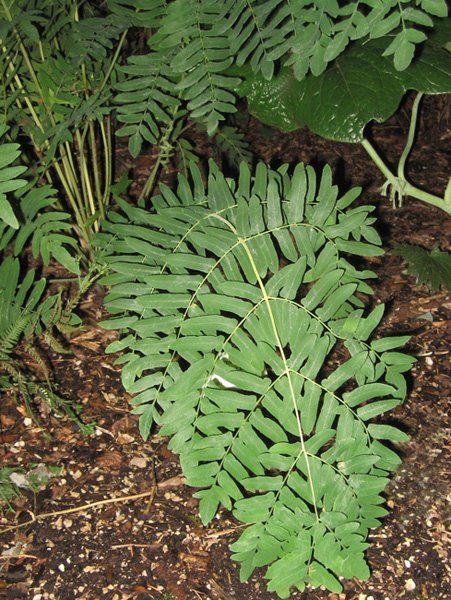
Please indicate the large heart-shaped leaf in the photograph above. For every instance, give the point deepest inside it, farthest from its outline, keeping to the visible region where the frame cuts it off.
(361, 85)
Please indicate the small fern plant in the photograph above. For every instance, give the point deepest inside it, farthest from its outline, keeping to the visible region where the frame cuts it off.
(231, 301)
(30, 319)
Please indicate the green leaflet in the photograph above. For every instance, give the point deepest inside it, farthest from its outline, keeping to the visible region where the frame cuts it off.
(226, 339)
(9, 179)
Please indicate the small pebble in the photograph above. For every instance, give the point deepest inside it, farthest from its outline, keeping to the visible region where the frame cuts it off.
(410, 585)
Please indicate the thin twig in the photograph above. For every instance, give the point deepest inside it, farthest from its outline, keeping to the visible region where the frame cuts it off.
(69, 511)
(118, 546)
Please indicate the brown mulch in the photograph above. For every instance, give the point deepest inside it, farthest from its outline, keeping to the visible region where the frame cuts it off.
(118, 522)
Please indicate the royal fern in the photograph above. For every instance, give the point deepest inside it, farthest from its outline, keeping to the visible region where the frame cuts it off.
(231, 301)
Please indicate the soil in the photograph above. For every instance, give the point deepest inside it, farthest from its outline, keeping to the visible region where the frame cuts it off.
(118, 522)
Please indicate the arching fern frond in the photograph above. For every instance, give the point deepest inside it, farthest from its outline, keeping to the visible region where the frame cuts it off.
(254, 28)
(10, 336)
(309, 36)
(202, 54)
(147, 99)
(231, 300)
(91, 39)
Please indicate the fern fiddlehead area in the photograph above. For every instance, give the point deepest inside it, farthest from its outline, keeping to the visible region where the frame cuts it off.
(231, 300)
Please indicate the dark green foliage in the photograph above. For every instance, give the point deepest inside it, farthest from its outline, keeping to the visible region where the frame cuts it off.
(431, 267)
(362, 84)
(196, 43)
(230, 301)
(231, 143)
(8, 490)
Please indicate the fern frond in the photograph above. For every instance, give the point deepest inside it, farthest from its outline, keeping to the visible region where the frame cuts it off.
(254, 28)
(231, 143)
(148, 15)
(231, 300)
(185, 155)
(90, 40)
(8, 366)
(9, 338)
(146, 98)
(202, 55)
(308, 37)
(33, 352)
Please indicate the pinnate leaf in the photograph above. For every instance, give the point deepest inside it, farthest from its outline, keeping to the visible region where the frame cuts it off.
(228, 326)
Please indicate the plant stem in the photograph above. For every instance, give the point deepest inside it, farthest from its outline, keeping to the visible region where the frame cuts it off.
(278, 341)
(114, 59)
(401, 187)
(84, 173)
(105, 131)
(163, 156)
(65, 176)
(411, 136)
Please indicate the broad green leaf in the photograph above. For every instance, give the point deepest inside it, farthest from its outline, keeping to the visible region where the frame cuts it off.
(368, 324)
(287, 280)
(269, 428)
(288, 571)
(309, 405)
(290, 104)
(359, 248)
(321, 289)
(262, 483)
(355, 566)
(389, 343)
(254, 509)
(359, 464)
(367, 485)
(208, 325)
(209, 504)
(6, 213)
(433, 268)
(366, 392)
(334, 302)
(344, 372)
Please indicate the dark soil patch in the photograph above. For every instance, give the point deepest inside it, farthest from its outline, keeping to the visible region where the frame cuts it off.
(118, 523)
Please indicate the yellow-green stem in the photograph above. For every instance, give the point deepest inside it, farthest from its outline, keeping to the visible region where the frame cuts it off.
(106, 137)
(402, 186)
(84, 173)
(266, 299)
(94, 161)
